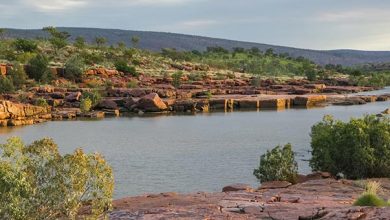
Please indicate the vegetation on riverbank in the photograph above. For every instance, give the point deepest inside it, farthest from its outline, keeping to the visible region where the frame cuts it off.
(36, 182)
(77, 57)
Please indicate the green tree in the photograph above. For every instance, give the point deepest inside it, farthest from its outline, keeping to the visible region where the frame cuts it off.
(57, 38)
(36, 182)
(135, 40)
(359, 148)
(177, 79)
(100, 41)
(74, 68)
(25, 45)
(17, 75)
(38, 68)
(79, 42)
(121, 65)
(277, 165)
(6, 85)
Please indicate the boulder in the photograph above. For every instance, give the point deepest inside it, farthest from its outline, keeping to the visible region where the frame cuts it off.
(73, 97)
(386, 112)
(108, 104)
(237, 187)
(272, 103)
(151, 103)
(309, 100)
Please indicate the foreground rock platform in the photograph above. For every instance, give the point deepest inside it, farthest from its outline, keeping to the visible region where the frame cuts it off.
(314, 199)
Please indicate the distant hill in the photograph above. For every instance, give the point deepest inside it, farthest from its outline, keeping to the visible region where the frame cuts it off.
(155, 41)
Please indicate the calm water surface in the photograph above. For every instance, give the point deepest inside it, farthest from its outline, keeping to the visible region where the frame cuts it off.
(189, 153)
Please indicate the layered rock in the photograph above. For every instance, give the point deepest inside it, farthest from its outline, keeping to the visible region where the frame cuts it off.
(151, 103)
(14, 114)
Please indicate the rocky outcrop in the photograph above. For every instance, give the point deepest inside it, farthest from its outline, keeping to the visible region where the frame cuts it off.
(14, 114)
(309, 101)
(151, 103)
(314, 199)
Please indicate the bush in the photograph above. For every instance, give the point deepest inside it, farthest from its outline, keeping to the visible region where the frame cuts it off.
(94, 96)
(41, 102)
(370, 197)
(38, 68)
(74, 69)
(277, 165)
(122, 66)
(177, 79)
(25, 45)
(342, 147)
(132, 84)
(85, 105)
(6, 85)
(17, 75)
(36, 182)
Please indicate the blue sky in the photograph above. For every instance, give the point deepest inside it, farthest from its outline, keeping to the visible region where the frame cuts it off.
(315, 24)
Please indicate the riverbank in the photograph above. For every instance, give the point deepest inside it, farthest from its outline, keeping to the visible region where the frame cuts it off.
(64, 103)
(317, 197)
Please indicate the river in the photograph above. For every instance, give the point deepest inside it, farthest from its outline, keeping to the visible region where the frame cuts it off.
(189, 153)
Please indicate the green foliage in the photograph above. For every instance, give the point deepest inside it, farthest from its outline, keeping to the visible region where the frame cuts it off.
(122, 66)
(370, 196)
(100, 41)
(74, 69)
(25, 45)
(177, 79)
(36, 182)
(135, 40)
(94, 96)
(17, 75)
(132, 84)
(277, 164)
(58, 39)
(38, 68)
(41, 102)
(311, 75)
(79, 42)
(6, 85)
(85, 105)
(341, 147)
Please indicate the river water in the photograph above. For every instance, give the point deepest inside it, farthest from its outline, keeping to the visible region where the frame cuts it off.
(189, 153)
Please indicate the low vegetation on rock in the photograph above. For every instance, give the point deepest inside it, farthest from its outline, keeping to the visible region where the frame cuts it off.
(370, 196)
(358, 149)
(277, 164)
(37, 182)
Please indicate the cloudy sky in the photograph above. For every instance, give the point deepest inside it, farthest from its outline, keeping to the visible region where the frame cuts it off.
(316, 24)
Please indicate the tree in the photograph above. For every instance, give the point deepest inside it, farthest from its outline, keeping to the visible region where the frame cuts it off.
(79, 42)
(269, 52)
(277, 165)
(358, 149)
(17, 75)
(58, 39)
(38, 68)
(177, 79)
(121, 65)
(135, 40)
(2, 32)
(25, 45)
(74, 68)
(37, 182)
(100, 41)
(6, 85)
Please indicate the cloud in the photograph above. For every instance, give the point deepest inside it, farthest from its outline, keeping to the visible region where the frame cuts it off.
(353, 15)
(54, 5)
(157, 2)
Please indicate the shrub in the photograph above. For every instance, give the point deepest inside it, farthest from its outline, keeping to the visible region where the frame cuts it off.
(122, 66)
(85, 105)
(17, 75)
(25, 45)
(370, 197)
(94, 96)
(177, 79)
(342, 147)
(74, 68)
(277, 164)
(36, 182)
(132, 84)
(6, 85)
(38, 68)
(41, 102)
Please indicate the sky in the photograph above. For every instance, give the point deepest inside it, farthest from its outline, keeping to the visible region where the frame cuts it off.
(312, 24)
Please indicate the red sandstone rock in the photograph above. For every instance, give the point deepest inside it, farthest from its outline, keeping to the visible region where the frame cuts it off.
(151, 103)
(237, 187)
(275, 185)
